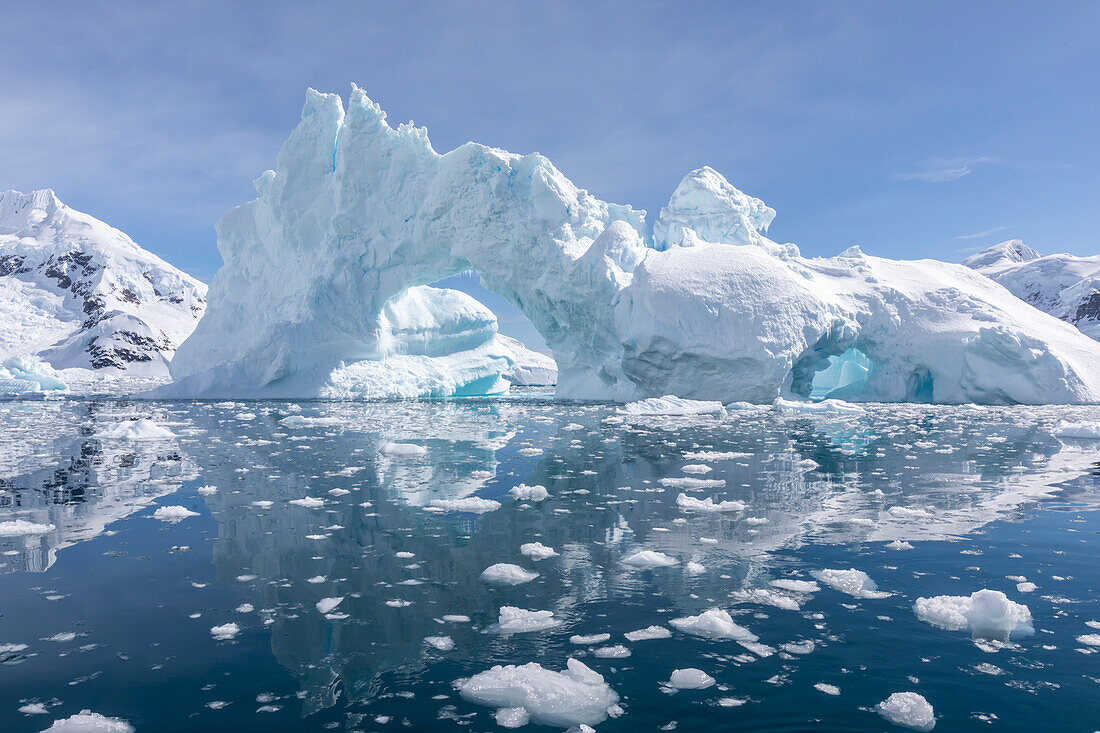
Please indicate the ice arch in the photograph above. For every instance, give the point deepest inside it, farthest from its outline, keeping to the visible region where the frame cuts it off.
(357, 212)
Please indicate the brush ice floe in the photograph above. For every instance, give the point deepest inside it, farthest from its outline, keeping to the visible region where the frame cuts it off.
(707, 307)
(647, 559)
(691, 504)
(853, 582)
(672, 406)
(143, 429)
(225, 631)
(1078, 430)
(440, 643)
(173, 514)
(989, 614)
(513, 620)
(507, 574)
(576, 696)
(523, 492)
(88, 722)
(909, 710)
(403, 450)
(648, 633)
(470, 504)
(537, 551)
(713, 624)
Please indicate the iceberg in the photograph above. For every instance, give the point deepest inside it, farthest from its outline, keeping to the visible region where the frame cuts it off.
(357, 215)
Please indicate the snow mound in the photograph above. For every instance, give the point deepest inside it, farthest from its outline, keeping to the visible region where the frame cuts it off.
(88, 722)
(507, 574)
(75, 292)
(1065, 286)
(576, 696)
(909, 710)
(853, 582)
(989, 614)
(143, 429)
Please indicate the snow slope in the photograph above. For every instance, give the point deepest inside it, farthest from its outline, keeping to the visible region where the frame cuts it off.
(708, 308)
(1065, 286)
(531, 369)
(76, 292)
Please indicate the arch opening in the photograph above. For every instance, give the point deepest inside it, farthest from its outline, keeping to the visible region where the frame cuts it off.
(843, 376)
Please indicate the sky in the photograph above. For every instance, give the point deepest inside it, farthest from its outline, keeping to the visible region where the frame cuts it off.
(913, 129)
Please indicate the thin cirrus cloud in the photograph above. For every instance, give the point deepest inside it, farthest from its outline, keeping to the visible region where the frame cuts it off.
(982, 234)
(945, 170)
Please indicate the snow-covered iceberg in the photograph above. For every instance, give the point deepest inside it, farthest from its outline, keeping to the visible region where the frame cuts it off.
(77, 293)
(357, 213)
(1065, 286)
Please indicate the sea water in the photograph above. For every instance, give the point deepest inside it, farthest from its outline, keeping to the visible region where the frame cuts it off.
(283, 566)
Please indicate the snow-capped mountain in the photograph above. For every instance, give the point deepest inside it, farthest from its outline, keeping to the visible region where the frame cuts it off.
(1063, 285)
(76, 292)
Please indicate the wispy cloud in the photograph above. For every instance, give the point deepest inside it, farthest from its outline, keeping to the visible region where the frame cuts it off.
(982, 234)
(945, 170)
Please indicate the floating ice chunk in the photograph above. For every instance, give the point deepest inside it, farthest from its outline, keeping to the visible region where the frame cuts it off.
(1026, 587)
(470, 504)
(796, 586)
(989, 614)
(713, 624)
(909, 710)
(672, 406)
(1089, 639)
(514, 620)
(799, 647)
(23, 528)
(303, 421)
(455, 618)
(33, 708)
(225, 631)
(523, 492)
(442, 643)
(403, 450)
(512, 717)
(831, 407)
(691, 504)
(88, 722)
(714, 455)
(695, 568)
(309, 502)
(537, 551)
(647, 559)
(325, 605)
(27, 373)
(853, 582)
(1078, 430)
(690, 679)
(173, 513)
(588, 640)
(574, 697)
(618, 651)
(768, 597)
(207, 490)
(690, 483)
(530, 452)
(650, 632)
(899, 545)
(696, 469)
(143, 429)
(827, 688)
(507, 574)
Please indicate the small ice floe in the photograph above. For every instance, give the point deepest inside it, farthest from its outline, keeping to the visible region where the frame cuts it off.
(715, 455)
(34, 708)
(507, 574)
(768, 597)
(88, 722)
(826, 407)
(173, 514)
(713, 624)
(309, 502)
(1089, 639)
(512, 717)
(647, 559)
(989, 614)
(691, 504)
(827, 688)
(803, 647)
(589, 640)
(696, 469)
(523, 492)
(470, 504)
(1026, 586)
(514, 620)
(695, 568)
(617, 651)
(143, 429)
(671, 406)
(326, 605)
(899, 545)
(207, 490)
(442, 643)
(455, 618)
(403, 450)
(537, 551)
(1078, 430)
(690, 483)
(530, 452)
(574, 697)
(397, 603)
(909, 710)
(302, 421)
(796, 586)
(225, 631)
(690, 679)
(23, 528)
(263, 504)
(650, 632)
(854, 582)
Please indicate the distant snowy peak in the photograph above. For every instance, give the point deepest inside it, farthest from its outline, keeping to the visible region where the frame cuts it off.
(1062, 285)
(79, 293)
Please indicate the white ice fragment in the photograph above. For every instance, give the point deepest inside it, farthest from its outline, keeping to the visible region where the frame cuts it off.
(713, 624)
(691, 504)
(690, 679)
(23, 528)
(88, 722)
(303, 421)
(173, 513)
(442, 643)
(514, 620)
(827, 688)
(507, 574)
(899, 545)
(142, 429)
(989, 614)
(650, 632)
(617, 651)
(325, 605)
(909, 710)
(470, 504)
(537, 551)
(588, 640)
(853, 582)
(523, 492)
(309, 502)
(828, 407)
(672, 406)
(225, 631)
(576, 696)
(403, 450)
(1078, 430)
(647, 559)
(690, 483)
(796, 586)
(696, 469)
(512, 717)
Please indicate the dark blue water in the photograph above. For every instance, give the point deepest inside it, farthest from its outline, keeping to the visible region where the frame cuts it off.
(115, 608)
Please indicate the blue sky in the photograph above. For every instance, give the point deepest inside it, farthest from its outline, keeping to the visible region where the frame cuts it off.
(924, 129)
